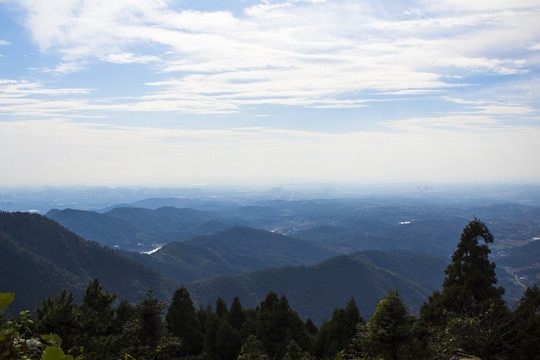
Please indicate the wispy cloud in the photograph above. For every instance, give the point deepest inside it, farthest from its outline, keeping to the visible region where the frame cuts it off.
(328, 90)
(292, 52)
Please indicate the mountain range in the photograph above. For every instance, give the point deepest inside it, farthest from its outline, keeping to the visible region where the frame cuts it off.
(314, 291)
(232, 251)
(39, 257)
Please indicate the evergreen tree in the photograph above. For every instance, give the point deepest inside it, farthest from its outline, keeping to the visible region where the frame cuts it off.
(277, 325)
(527, 325)
(228, 342)
(295, 352)
(469, 287)
(389, 330)
(221, 307)
(122, 314)
(252, 350)
(311, 327)
(96, 320)
(337, 333)
(59, 316)
(182, 322)
(213, 323)
(236, 315)
(468, 317)
(249, 326)
(147, 335)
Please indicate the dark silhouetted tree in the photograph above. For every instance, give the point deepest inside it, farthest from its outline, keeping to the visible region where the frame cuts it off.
(236, 315)
(60, 316)
(97, 323)
(336, 334)
(147, 335)
(182, 322)
(469, 287)
(527, 325)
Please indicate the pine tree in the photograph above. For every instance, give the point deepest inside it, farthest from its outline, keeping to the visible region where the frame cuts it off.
(228, 343)
(252, 350)
(182, 322)
(469, 316)
(221, 307)
(60, 316)
(337, 333)
(146, 334)
(388, 330)
(277, 324)
(469, 287)
(96, 320)
(236, 315)
(527, 325)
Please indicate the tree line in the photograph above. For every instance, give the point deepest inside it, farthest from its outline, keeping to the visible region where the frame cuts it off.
(466, 318)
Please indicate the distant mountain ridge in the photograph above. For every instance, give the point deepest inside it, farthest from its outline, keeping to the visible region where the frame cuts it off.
(140, 228)
(231, 251)
(315, 290)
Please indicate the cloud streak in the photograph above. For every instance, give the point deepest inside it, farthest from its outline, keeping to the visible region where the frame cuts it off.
(291, 53)
(344, 90)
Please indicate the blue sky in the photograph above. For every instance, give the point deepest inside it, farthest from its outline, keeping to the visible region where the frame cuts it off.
(179, 93)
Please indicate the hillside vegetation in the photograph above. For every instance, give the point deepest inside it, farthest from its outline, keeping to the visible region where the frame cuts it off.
(39, 258)
(466, 318)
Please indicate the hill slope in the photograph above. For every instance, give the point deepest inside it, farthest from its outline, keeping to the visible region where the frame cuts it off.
(232, 251)
(138, 228)
(39, 257)
(314, 291)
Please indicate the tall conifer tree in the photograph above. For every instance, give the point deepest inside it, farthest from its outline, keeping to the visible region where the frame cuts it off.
(182, 322)
(469, 287)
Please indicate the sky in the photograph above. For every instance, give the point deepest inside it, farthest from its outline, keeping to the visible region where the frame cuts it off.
(193, 93)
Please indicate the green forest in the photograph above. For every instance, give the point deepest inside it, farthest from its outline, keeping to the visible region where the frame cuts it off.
(467, 318)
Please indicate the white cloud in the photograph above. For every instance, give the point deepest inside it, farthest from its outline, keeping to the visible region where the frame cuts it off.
(292, 52)
(4, 42)
(128, 58)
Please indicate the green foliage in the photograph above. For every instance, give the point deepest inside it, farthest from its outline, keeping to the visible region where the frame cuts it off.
(59, 315)
(252, 350)
(221, 307)
(228, 342)
(527, 325)
(389, 330)
(487, 336)
(277, 324)
(236, 314)
(337, 333)
(469, 287)
(295, 352)
(18, 339)
(183, 323)
(96, 321)
(146, 333)
(50, 258)
(6, 299)
(55, 353)
(469, 317)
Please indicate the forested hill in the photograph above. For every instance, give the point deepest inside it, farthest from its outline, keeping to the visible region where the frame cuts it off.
(39, 258)
(316, 290)
(232, 251)
(138, 228)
